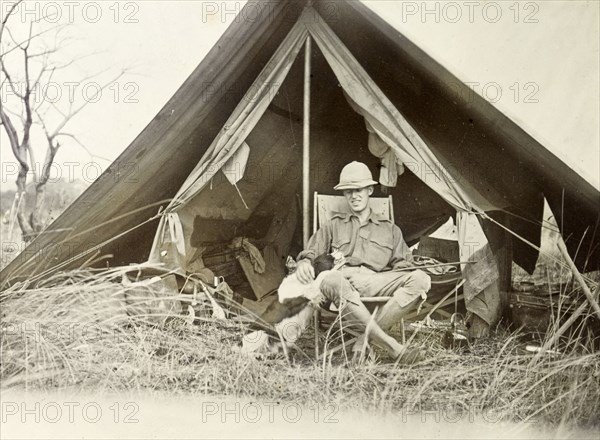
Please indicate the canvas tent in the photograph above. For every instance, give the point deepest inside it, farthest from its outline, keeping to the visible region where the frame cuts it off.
(223, 157)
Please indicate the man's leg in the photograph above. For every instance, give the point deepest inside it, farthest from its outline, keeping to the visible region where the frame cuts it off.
(338, 289)
(406, 292)
(405, 289)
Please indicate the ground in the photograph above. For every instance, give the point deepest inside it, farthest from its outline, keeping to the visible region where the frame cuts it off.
(79, 336)
(84, 340)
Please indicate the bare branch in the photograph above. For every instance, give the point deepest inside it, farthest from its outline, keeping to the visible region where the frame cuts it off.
(92, 155)
(14, 40)
(97, 74)
(32, 163)
(27, 104)
(76, 60)
(42, 18)
(15, 114)
(45, 171)
(53, 104)
(73, 113)
(20, 45)
(10, 129)
(12, 137)
(29, 39)
(8, 15)
(43, 123)
(37, 81)
(44, 53)
(9, 78)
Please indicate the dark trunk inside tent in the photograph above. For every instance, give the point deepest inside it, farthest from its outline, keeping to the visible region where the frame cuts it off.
(481, 148)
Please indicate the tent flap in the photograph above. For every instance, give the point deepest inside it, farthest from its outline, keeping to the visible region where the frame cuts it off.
(222, 153)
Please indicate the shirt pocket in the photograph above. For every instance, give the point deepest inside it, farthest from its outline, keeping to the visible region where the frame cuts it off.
(341, 237)
(342, 244)
(379, 249)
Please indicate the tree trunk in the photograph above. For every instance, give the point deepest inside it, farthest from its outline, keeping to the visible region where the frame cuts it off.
(26, 229)
(35, 218)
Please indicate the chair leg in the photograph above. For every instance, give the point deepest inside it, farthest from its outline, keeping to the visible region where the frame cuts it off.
(316, 321)
(337, 348)
(353, 337)
(403, 331)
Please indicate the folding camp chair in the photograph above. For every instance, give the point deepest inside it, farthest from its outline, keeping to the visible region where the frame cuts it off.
(324, 206)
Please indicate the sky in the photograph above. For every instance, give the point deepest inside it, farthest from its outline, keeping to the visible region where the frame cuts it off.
(157, 43)
(538, 62)
(535, 61)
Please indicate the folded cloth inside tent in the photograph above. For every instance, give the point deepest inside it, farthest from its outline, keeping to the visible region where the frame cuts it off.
(256, 258)
(391, 166)
(481, 274)
(433, 266)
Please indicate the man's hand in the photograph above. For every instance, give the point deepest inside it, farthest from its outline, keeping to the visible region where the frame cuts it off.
(404, 264)
(305, 271)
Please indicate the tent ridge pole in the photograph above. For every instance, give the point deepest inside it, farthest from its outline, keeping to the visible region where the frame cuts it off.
(306, 145)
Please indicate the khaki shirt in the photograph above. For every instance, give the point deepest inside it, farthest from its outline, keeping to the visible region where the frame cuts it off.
(378, 244)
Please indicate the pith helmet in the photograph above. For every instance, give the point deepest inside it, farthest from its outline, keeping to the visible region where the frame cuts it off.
(355, 175)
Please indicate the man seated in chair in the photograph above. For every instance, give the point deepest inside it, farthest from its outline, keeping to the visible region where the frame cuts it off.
(374, 249)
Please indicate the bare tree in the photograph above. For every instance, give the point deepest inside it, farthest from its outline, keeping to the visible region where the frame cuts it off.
(27, 65)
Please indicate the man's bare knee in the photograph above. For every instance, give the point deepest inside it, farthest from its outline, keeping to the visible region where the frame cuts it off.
(335, 286)
(420, 280)
(331, 286)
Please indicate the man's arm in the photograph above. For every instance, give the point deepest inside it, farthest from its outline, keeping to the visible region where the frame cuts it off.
(401, 256)
(318, 244)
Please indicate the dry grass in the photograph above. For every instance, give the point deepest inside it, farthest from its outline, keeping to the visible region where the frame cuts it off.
(75, 330)
(59, 195)
(11, 243)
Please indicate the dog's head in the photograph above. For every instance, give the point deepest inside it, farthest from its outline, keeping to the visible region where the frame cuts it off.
(322, 263)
